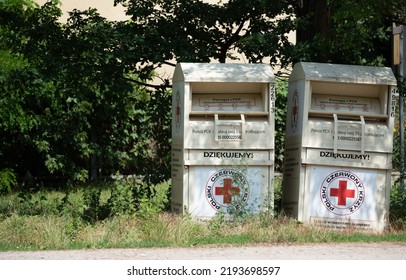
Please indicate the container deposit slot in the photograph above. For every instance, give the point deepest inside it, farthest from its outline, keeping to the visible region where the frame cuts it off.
(351, 105)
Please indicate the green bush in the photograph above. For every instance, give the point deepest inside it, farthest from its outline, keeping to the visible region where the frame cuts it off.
(130, 196)
(88, 205)
(157, 201)
(8, 180)
(123, 197)
(39, 203)
(397, 207)
(94, 209)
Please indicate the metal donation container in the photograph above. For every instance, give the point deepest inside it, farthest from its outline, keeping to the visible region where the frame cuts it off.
(222, 138)
(338, 146)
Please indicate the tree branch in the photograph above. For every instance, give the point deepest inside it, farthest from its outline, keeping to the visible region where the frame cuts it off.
(157, 87)
(234, 38)
(169, 63)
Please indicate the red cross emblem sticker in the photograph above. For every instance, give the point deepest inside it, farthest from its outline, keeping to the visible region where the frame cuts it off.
(342, 192)
(227, 191)
(224, 185)
(295, 111)
(178, 111)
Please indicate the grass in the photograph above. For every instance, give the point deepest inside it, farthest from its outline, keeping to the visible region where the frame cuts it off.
(84, 218)
(166, 230)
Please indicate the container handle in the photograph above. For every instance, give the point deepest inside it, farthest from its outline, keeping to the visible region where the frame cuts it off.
(361, 122)
(235, 137)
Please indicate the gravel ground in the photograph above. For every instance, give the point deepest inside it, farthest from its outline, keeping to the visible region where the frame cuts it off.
(336, 251)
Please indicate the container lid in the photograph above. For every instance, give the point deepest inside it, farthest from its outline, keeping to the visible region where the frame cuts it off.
(342, 73)
(223, 72)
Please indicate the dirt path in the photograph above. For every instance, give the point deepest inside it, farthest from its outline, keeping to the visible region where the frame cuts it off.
(336, 251)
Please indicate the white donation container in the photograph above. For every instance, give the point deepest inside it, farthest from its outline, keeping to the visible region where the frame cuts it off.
(222, 138)
(338, 146)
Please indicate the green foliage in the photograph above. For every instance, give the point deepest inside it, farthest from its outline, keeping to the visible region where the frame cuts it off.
(72, 219)
(73, 97)
(347, 32)
(94, 210)
(79, 76)
(197, 31)
(239, 209)
(30, 204)
(397, 206)
(397, 140)
(10, 62)
(277, 185)
(8, 180)
(280, 122)
(130, 196)
(122, 200)
(124, 197)
(152, 138)
(158, 201)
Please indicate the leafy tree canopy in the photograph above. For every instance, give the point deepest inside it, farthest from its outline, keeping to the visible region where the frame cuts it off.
(69, 106)
(196, 31)
(73, 100)
(349, 32)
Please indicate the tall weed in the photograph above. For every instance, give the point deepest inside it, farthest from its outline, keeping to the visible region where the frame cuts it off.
(34, 232)
(171, 230)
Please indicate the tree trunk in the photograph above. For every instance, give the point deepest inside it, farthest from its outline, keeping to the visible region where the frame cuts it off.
(318, 13)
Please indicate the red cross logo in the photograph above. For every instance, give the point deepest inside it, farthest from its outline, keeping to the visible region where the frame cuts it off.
(295, 109)
(295, 112)
(342, 193)
(227, 191)
(177, 111)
